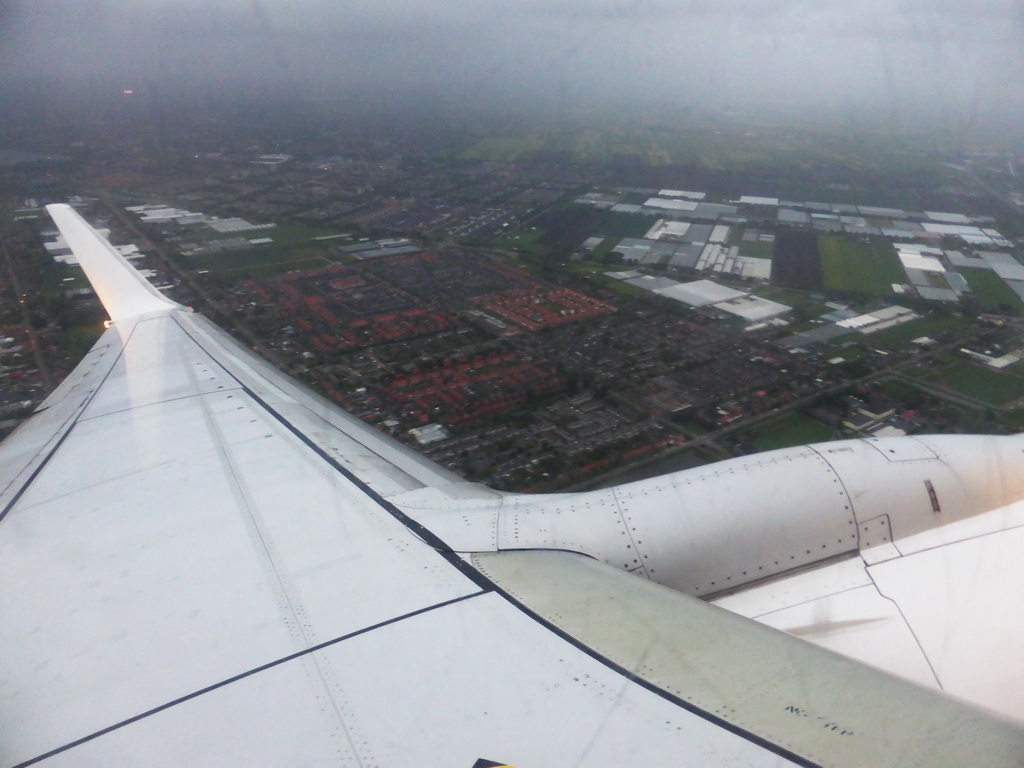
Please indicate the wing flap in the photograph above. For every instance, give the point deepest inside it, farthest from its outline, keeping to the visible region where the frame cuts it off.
(755, 681)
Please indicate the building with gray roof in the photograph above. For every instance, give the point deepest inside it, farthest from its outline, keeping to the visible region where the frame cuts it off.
(937, 294)
(1003, 264)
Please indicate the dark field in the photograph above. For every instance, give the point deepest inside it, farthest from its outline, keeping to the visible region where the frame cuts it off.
(567, 228)
(796, 262)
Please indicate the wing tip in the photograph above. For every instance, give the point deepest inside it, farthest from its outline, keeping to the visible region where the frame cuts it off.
(125, 293)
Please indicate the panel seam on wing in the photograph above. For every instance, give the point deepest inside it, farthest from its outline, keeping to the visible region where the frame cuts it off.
(248, 673)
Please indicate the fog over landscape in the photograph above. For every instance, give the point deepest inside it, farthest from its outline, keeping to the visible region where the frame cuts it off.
(915, 60)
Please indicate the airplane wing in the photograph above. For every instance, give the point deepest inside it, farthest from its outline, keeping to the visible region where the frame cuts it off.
(203, 563)
(932, 591)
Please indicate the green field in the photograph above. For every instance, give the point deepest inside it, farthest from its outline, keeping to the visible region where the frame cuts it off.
(980, 383)
(264, 259)
(900, 335)
(659, 137)
(81, 338)
(757, 250)
(654, 146)
(620, 287)
(992, 293)
(290, 235)
(854, 352)
(838, 341)
(858, 267)
(793, 297)
(504, 149)
(523, 240)
(297, 234)
(603, 251)
(899, 390)
(1014, 419)
(789, 430)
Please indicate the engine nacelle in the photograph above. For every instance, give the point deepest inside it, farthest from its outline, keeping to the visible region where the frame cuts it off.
(712, 529)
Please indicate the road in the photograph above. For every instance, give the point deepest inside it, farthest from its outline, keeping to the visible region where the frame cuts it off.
(711, 442)
(151, 248)
(31, 339)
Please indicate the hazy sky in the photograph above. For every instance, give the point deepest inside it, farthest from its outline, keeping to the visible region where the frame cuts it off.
(962, 59)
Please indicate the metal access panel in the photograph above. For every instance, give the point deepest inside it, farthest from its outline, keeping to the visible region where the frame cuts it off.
(876, 540)
(901, 448)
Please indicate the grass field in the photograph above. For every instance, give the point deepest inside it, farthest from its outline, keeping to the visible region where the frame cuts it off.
(982, 384)
(858, 267)
(789, 430)
(757, 250)
(898, 390)
(1014, 419)
(608, 244)
(81, 338)
(662, 137)
(504, 149)
(793, 298)
(653, 146)
(901, 335)
(837, 341)
(296, 234)
(523, 240)
(692, 428)
(293, 247)
(266, 259)
(850, 353)
(989, 288)
(620, 287)
(293, 234)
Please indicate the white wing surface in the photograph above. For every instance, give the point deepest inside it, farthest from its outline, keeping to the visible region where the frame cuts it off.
(203, 564)
(904, 553)
(941, 604)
